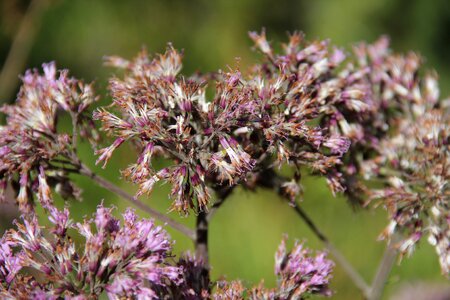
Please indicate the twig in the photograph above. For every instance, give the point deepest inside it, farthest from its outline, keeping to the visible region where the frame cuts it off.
(84, 170)
(20, 47)
(74, 117)
(384, 269)
(345, 264)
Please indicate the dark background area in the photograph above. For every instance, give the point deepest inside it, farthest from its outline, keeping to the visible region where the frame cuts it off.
(246, 231)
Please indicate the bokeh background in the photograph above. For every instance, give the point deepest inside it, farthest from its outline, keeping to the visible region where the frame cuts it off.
(244, 234)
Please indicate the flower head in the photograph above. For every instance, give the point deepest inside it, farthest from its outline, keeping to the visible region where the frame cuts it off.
(123, 260)
(30, 142)
(279, 112)
(300, 273)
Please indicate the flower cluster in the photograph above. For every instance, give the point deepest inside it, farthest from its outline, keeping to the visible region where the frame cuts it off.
(414, 167)
(395, 91)
(312, 105)
(30, 145)
(403, 144)
(122, 260)
(299, 275)
(369, 122)
(281, 111)
(131, 260)
(389, 114)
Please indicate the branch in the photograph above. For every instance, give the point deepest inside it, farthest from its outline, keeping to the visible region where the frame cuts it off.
(74, 117)
(84, 170)
(270, 179)
(201, 242)
(20, 47)
(384, 269)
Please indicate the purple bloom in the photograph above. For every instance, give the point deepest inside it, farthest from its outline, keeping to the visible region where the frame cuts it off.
(284, 106)
(337, 144)
(299, 273)
(29, 142)
(123, 259)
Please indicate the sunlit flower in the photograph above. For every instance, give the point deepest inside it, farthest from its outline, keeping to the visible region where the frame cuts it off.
(123, 260)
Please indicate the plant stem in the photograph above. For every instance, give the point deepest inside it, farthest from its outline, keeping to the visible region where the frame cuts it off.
(74, 117)
(345, 264)
(84, 170)
(201, 252)
(20, 47)
(384, 269)
(201, 238)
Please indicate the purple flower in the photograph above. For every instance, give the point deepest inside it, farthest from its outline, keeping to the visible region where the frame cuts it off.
(124, 260)
(284, 106)
(299, 273)
(337, 144)
(30, 143)
(10, 263)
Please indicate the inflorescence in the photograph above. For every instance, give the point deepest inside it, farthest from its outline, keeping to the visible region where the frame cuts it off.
(368, 121)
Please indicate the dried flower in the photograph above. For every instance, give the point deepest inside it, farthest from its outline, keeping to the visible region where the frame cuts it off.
(416, 192)
(404, 137)
(254, 119)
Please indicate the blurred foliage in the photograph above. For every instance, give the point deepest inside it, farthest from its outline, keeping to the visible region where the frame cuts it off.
(246, 231)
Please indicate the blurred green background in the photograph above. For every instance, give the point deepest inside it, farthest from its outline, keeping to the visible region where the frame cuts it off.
(246, 231)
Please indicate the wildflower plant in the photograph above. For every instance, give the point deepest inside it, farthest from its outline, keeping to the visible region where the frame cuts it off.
(367, 121)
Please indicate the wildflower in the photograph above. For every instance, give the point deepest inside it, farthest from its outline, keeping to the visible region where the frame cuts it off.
(196, 283)
(30, 142)
(262, 43)
(270, 110)
(123, 260)
(180, 189)
(225, 170)
(299, 273)
(200, 190)
(229, 290)
(417, 198)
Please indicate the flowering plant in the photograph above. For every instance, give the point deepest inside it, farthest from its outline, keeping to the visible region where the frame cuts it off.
(368, 122)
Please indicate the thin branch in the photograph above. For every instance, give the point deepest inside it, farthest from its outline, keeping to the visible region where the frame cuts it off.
(74, 117)
(84, 170)
(384, 269)
(21, 47)
(345, 264)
